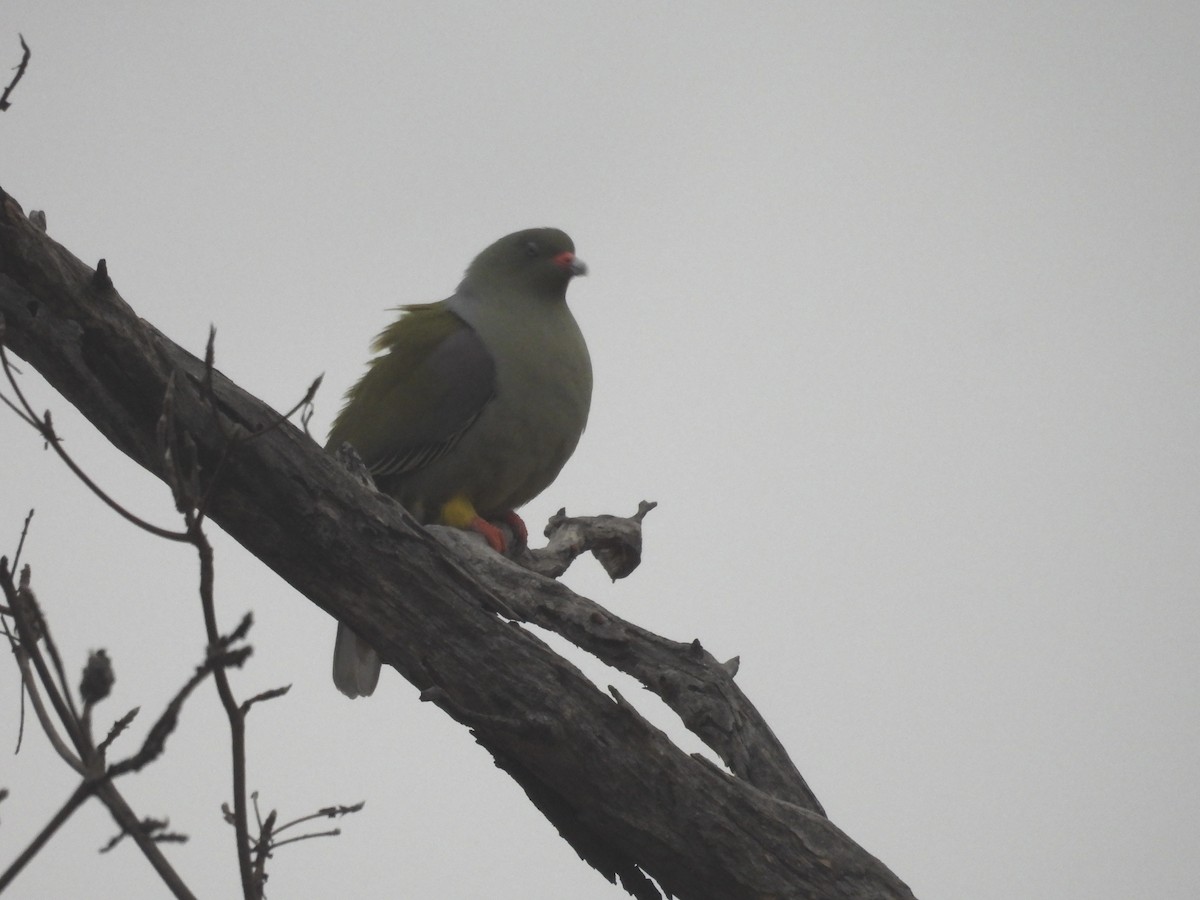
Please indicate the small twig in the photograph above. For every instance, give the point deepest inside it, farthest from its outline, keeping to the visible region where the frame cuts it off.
(309, 411)
(238, 436)
(15, 645)
(31, 628)
(155, 742)
(45, 427)
(238, 634)
(5, 103)
(43, 716)
(208, 392)
(64, 688)
(16, 560)
(328, 812)
(251, 888)
(280, 418)
(332, 832)
(154, 829)
(265, 695)
(78, 796)
(117, 728)
(257, 812)
(130, 824)
(262, 849)
(268, 832)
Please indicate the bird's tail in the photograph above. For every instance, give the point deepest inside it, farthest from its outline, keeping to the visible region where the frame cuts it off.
(356, 665)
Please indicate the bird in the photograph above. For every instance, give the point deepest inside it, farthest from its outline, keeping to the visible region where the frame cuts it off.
(473, 404)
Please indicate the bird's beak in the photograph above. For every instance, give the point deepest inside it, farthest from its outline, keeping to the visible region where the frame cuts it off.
(571, 263)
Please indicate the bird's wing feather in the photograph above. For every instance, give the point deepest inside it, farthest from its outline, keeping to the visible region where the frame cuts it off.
(430, 384)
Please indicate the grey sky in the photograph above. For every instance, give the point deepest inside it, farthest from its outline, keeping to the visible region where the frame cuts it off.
(892, 307)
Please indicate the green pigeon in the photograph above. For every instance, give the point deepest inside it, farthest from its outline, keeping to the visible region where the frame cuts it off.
(473, 404)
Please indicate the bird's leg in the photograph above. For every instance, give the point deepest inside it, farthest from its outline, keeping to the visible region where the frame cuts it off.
(517, 524)
(493, 535)
(459, 512)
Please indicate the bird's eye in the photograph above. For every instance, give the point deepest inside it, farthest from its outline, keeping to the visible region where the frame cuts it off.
(531, 249)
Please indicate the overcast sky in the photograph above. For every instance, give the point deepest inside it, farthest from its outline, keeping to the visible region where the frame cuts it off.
(893, 308)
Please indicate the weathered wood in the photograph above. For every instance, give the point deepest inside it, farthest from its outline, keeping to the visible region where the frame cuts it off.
(630, 802)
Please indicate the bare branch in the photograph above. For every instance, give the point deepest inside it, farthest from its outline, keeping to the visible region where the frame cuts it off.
(153, 829)
(26, 54)
(217, 643)
(45, 427)
(264, 696)
(76, 800)
(43, 716)
(88, 761)
(32, 629)
(60, 695)
(16, 561)
(327, 812)
(118, 727)
(155, 742)
(266, 843)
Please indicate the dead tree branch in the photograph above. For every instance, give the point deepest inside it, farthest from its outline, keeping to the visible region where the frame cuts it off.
(629, 801)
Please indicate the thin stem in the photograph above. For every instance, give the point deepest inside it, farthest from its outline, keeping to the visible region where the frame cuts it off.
(45, 428)
(81, 793)
(237, 722)
(27, 636)
(43, 716)
(127, 819)
(21, 543)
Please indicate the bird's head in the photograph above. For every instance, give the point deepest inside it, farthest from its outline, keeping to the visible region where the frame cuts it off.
(536, 260)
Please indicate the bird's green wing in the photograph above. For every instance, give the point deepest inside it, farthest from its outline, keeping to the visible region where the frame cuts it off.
(430, 382)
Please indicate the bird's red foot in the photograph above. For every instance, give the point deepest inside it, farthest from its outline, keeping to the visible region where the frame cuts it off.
(517, 525)
(493, 535)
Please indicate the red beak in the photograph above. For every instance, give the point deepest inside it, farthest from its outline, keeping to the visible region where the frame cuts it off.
(570, 261)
